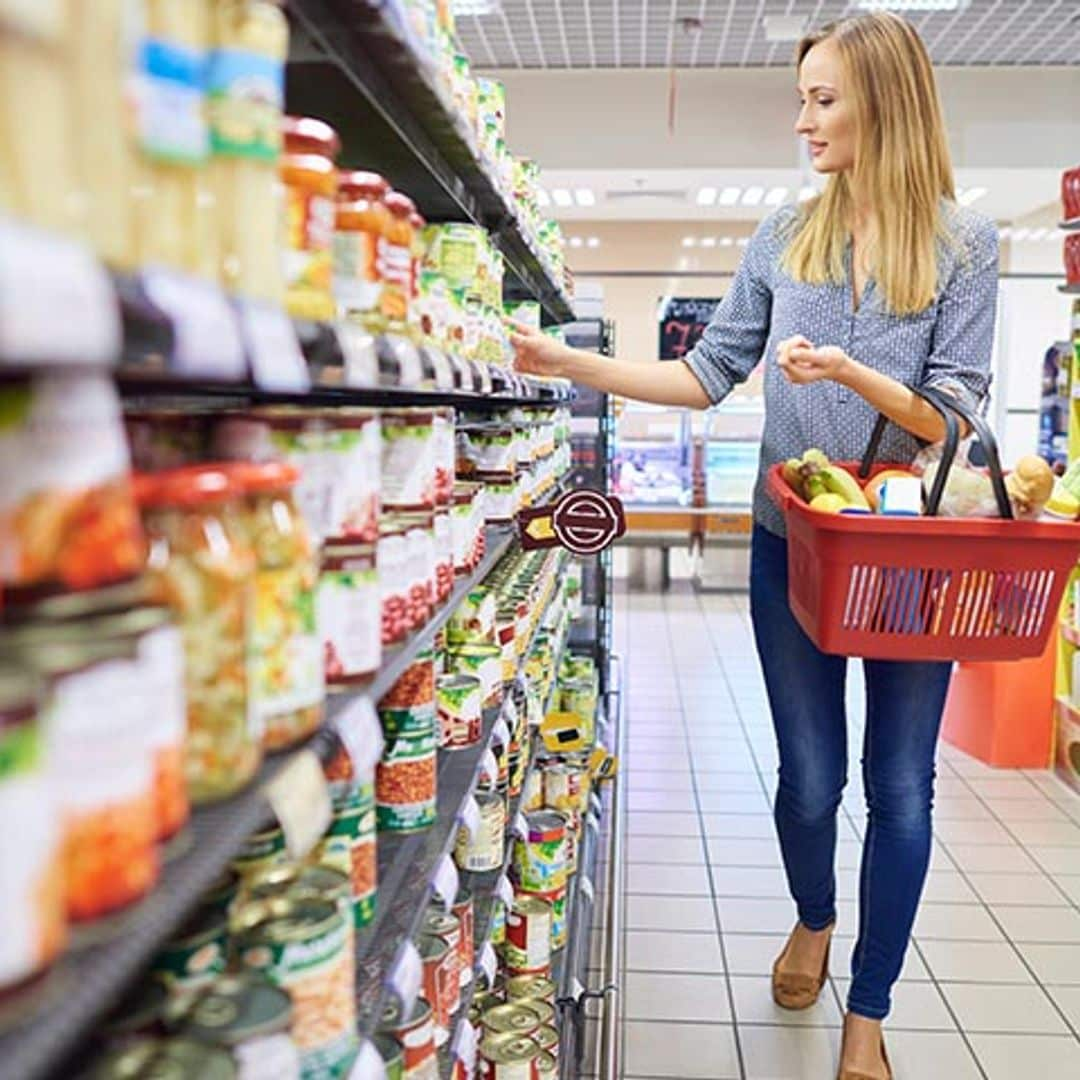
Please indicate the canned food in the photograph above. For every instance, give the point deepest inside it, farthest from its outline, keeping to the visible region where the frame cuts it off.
(440, 924)
(565, 787)
(545, 1012)
(473, 620)
(247, 1015)
(32, 884)
(349, 846)
(532, 795)
(486, 849)
(528, 935)
(515, 1017)
(498, 925)
(140, 1012)
(392, 1054)
(484, 661)
(301, 947)
(500, 499)
(547, 1038)
(177, 1059)
(547, 1066)
(540, 859)
(259, 850)
(392, 557)
(349, 609)
(197, 955)
(579, 696)
(417, 1037)
(415, 689)
(420, 548)
(220, 894)
(463, 910)
(408, 459)
(510, 1057)
(444, 556)
(405, 781)
(557, 899)
(441, 985)
(531, 988)
(297, 881)
(485, 448)
(459, 700)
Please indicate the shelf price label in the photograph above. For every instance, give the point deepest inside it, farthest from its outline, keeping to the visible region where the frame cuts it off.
(487, 963)
(463, 372)
(500, 733)
(406, 977)
(489, 766)
(596, 804)
(277, 364)
(358, 727)
(359, 354)
(464, 1046)
(300, 798)
(592, 823)
(483, 377)
(505, 891)
(587, 889)
(469, 818)
(520, 826)
(446, 882)
(57, 303)
(369, 1064)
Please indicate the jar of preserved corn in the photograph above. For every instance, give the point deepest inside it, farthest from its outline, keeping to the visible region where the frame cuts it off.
(307, 170)
(360, 226)
(287, 667)
(396, 260)
(203, 568)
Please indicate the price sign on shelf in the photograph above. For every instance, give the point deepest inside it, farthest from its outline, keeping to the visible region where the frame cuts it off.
(464, 1046)
(361, 734)
(520, 826)
(470, 816)
(300, 799)
(483, 377)
(277, 363)
(369, 1064)
(407, 976)
(501, 732)
(359, 353)
(505, 891)
(587, 889)
(489, 766)
(488, 963)
(446, 882)
(463, 372)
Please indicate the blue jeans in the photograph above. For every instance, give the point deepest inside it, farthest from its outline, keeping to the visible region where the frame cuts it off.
(903, 714)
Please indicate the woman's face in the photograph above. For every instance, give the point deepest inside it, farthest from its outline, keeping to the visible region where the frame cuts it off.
(827, 115)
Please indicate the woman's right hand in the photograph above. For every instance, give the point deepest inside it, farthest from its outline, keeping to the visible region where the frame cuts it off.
(535, 353)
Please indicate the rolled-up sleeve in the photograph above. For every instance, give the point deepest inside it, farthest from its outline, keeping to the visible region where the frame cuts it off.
(963, 341)
(734, 340)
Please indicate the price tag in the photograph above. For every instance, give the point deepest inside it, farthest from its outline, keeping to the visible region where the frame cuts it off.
(464, 1047)
(410, 371)
(208, 343)
(489, 766)
(440, 366)
(505, 891)
(369, 1064)
(406, 977)
(483, 377)
(359, 354)
(592, 823)
(361, 733)
(596, 804)
(446, 882)
(470, 816)
(500, 733)
(276, 360)
(520, 827)
(56, 301)
(300, 798)
(587, 889)
(464, 373)
(487, 962)
(576, 988)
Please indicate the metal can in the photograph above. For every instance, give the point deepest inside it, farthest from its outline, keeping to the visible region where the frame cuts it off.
(579, 696)
(486, 850)
(463, 909)
(177, 1059)
(557, 899)
(247, 1015)
(563, 787)
(405, 781)
(301, 946)
(528, 935)
(485, 662)
(473, 620)
(446, 926)
(511, 1057)
(259, 850)
(531, 988)
(307, 881)
(349, 608)
(513, 1017)
(416, 1033)
(540, 859)
(408, 459)
(498, 924)
(545, 1013)
(547, 1066)
(392, 1054)
(459, 701)
(547, 1038)
(532, 794)
(414, 691)
(197, 955)
(440, 970)
(349, 847)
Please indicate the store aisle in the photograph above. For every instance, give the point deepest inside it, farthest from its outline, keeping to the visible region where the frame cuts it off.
(992, 984)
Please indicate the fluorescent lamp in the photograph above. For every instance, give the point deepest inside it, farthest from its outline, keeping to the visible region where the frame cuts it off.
(689, 241)
(911, 5)
(730, 196)
(743, 241)
(706, 196)
(726, 241)
(776, 196)
(593, 242)
(576, 241)
(753, 195)
(969, 195)
(584, 196)
(806, 192)
(708, 241)
(562, 197)
(542, 197)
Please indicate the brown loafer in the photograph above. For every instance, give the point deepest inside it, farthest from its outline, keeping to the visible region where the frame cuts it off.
(849, 1074)
(796, 991)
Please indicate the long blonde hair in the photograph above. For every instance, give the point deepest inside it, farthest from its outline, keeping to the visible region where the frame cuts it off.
(902, 165)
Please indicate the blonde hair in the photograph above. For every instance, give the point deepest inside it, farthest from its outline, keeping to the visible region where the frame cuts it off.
(902, 165)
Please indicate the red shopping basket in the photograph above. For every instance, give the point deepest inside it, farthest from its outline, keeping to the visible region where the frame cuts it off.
(926, 588)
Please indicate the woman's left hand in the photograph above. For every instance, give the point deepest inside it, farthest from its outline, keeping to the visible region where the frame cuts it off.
(802, 363)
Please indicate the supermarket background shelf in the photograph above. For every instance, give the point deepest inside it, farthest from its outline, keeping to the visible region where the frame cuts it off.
(352, 65)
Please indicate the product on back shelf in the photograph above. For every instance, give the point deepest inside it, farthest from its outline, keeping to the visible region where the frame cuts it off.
(416, 1034)
(484, 660)
(362, 220)
(197, 954)
(185, 1059)
(440, 981)
(405, 781)
(392, 558)
(459, 707)
(310, 179)
(408, 459)
(485, 448)
(420, 545)
(349, 846)
(528, 945)
(540, 858)
(395, 260)
(349, 611)
(483, 851)
(474, 618)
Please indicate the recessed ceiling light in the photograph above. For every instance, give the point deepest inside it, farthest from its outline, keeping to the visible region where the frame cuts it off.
(593, 242)
(776, 196)
(576, 241)
(584, 196)
(542, 197)
(708, 241)
(806, 192)
(726, 241)
(753, 195)
(706, 196)
(689, 241)
(743, 241)
(969, 195)
(562, 197)
(730, 196)
(784, 27)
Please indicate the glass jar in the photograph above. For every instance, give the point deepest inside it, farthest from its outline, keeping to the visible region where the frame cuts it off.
(245, 87)
(310, 178)
(396, 260)
(392, 558)
(202, 567)
(360, 224)
(287, 670)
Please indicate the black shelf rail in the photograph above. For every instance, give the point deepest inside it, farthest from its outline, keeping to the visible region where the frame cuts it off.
(1070, 224)
(394, 117)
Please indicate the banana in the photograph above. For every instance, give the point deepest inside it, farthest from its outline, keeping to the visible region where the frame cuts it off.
(842, 483)
(815, 485)
(792, 475)
(816, 457)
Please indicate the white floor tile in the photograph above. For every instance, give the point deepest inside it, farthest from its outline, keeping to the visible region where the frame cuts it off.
(916, 1006)
(754, 1005)
(1067, 999)
(731, 851)
(992, 858)
(649, 823)
(679, 850)
(1021, 1010)
(974, 961)
(652, 996)
(1058, 964)
(1037, 809)
(726, 782)
(789, 1053)
(763, 882)
(1056, 860)
(657, 950)
(1040, 924)
(753, 954)
(1009, 1057)
(1070, 884)
(987, 831)
(735, 802)
(1063, 833)
(960, 808)
(947, 887)
(930, 1055)
(738, 916)
(661, 801)
(955, 922)
(689, 913)
(1002, 787)
(740, 826)
(683, 1051)
(1002, 889)
(659, 880)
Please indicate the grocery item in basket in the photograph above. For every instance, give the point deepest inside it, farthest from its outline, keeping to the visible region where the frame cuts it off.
(459, 705)
(202, 567)
(246, 1015)
(528, 935)
(405, 780)
(197, 955)
(416, 1034)
(32, 885)
(408, 459)
(483, 661)
(184, 1059)
(348, 604)
(349, 846)
(287, 677)
(67, 515)
(540, 858)
(483, 851)
(301, 946)
(441, 987)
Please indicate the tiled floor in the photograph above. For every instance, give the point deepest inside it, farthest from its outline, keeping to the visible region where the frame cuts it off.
(991, 987)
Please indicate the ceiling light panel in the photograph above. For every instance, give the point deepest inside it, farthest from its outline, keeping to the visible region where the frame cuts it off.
(689, 241)
(593, 242)
(706, 196)
(584, 196)
(708, 241)
(562, 197)
(776, 196)
(753, 195)
(730, 196)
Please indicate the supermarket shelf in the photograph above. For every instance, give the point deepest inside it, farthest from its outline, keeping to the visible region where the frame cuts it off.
(86, 983)
(356, 68)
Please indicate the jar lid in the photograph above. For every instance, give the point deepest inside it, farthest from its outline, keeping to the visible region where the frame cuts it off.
(257, 478)
(417, 221)
(356, 184)
(401, 206)
(305, 134)
(190, 485)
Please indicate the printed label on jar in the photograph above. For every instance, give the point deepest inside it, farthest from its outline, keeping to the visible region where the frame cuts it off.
(357, 287)
(408, 466)
(349, 616)
(246, 93)
(169, 118)
(395, 268)
(310, 231)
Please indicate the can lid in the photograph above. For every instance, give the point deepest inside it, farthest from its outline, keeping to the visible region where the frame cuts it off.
(514, 1016)
(230, 1010)
(431, 947)
(165, 1059)
(499, 1049)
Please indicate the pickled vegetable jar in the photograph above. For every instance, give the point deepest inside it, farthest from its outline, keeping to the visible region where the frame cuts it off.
(396, 260)
(361, 222)
(307, 170)
(202, 567)
(287, 663)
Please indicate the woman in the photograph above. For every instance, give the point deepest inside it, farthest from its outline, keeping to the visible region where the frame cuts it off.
(879, 284)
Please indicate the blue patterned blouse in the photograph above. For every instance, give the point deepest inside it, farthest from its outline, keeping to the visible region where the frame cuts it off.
(948, 345)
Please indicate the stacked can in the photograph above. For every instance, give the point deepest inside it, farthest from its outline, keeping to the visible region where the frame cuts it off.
(416, 1035)
(441, 987)
(459, 702)
(483, 850)
(405, 780)
(540, 874)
